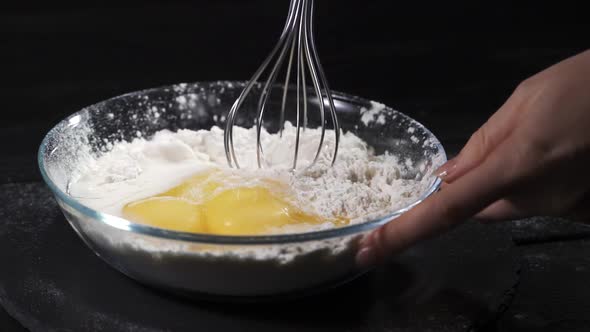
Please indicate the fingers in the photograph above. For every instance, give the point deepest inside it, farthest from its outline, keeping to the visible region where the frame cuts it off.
(499, 211)
(465, 197)
(483, 141)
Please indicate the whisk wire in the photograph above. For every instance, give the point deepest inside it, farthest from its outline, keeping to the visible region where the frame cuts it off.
(228, 135)
(285, 89)
(324, 82)
(297, 41)
(316, 86)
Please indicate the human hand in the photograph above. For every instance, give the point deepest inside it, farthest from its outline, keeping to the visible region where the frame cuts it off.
(532, 157)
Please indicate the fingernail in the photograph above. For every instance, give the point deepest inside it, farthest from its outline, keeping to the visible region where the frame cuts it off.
(365, 257)
(447, 169)
(366, 240)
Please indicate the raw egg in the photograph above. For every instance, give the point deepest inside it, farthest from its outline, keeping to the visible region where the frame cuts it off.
(208, 203)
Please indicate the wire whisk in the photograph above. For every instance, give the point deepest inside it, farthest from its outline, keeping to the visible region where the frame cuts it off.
(297, 43)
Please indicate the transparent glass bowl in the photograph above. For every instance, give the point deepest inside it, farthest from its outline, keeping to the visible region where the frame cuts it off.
(234, 266)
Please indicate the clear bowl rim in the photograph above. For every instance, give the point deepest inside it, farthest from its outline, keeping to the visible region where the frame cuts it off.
(125, 225)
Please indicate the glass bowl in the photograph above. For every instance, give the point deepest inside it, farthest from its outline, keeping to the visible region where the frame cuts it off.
(204, 264)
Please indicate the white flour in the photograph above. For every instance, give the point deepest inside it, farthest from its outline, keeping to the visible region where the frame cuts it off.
(373, 114)
(360, 186)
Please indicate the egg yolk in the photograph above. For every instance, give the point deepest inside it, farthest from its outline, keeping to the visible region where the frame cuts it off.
(201, 204)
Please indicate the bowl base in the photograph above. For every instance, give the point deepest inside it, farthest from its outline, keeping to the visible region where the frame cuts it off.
(288, 296)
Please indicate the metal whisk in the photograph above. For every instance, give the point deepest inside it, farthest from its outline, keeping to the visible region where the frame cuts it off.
(297, 42)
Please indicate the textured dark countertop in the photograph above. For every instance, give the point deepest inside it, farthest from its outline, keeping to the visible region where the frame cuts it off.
(448, 67)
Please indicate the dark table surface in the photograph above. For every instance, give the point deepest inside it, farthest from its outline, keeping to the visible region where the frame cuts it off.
(448, 66)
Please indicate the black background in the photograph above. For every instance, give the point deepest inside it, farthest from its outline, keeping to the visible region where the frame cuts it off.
(447, 64)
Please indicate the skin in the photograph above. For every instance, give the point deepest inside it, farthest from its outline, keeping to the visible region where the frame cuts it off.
(532, 157)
